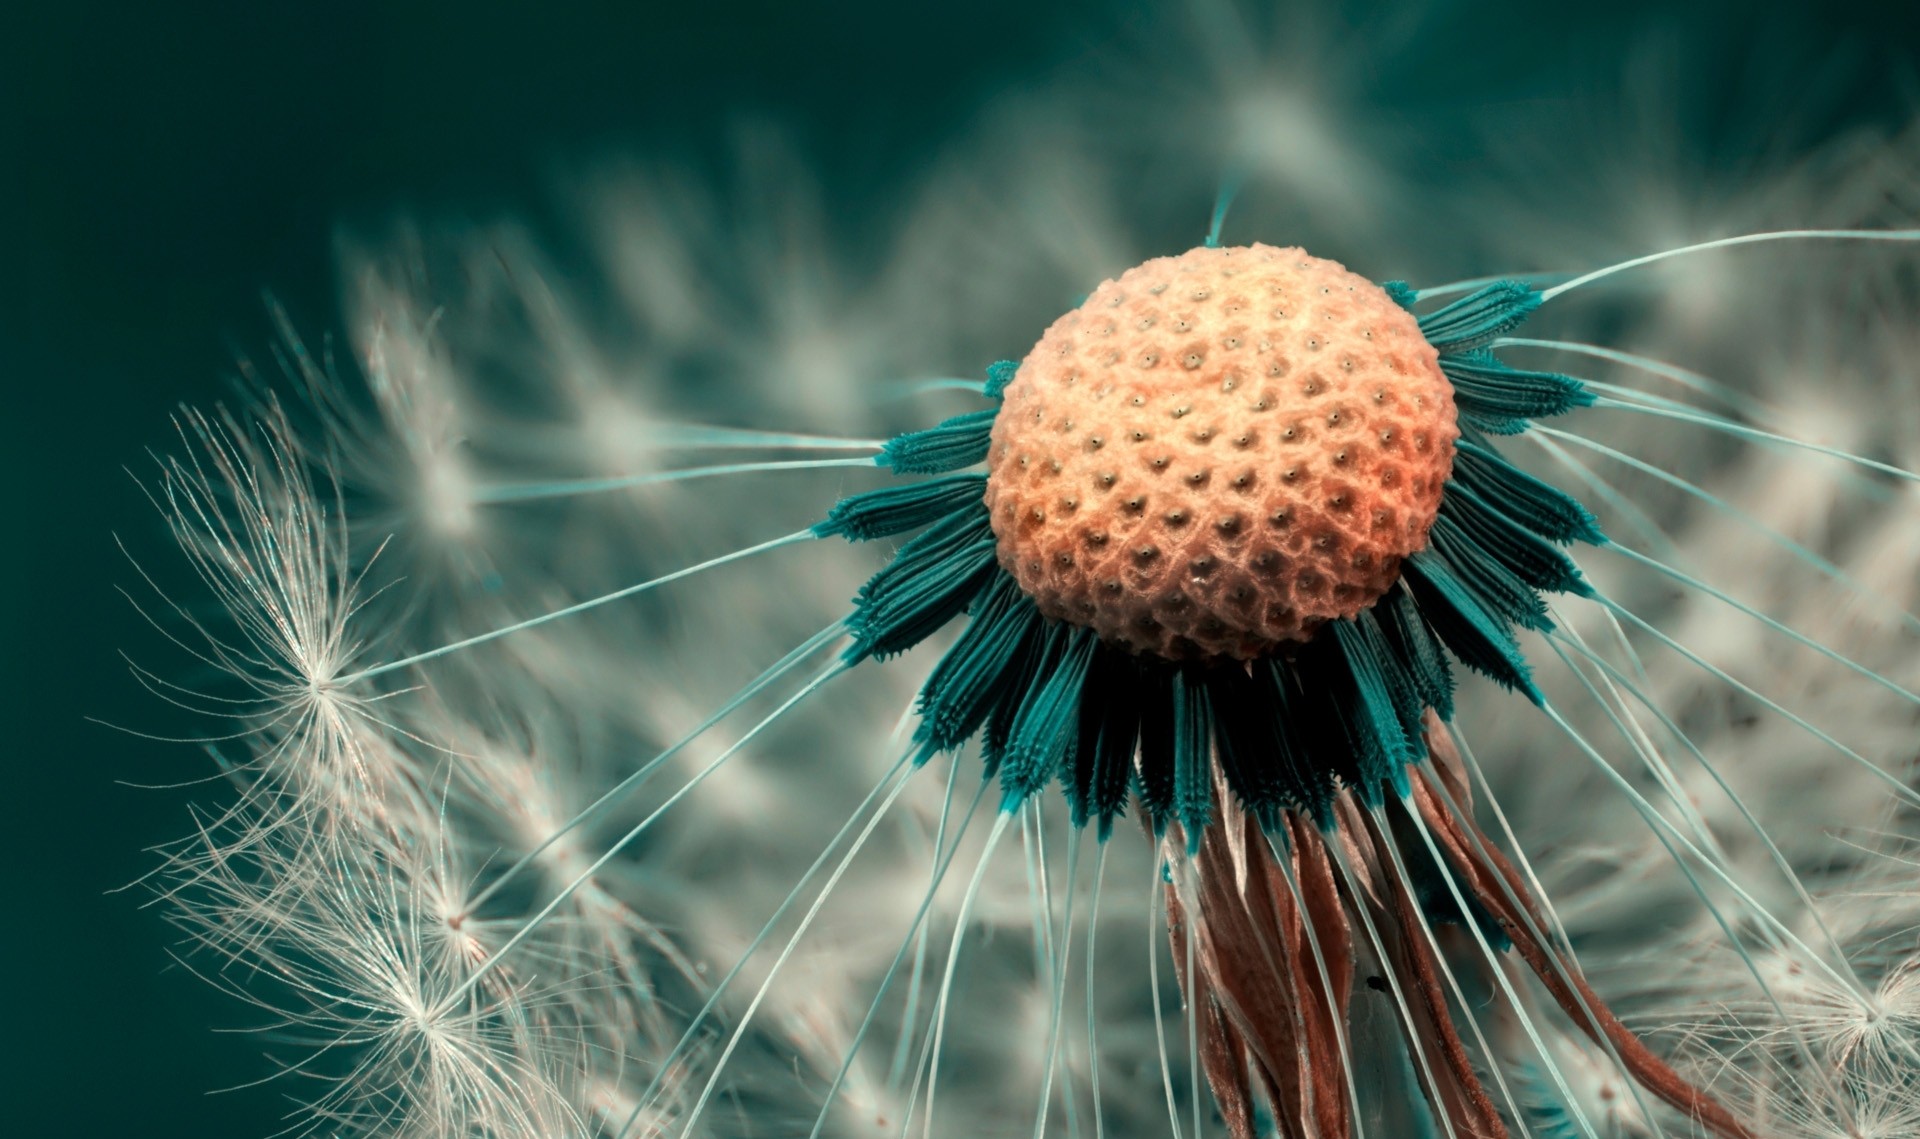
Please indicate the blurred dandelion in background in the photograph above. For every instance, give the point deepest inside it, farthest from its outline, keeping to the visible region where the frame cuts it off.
(1268, 699)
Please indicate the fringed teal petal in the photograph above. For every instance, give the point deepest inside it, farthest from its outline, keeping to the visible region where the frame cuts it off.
(1246, 730)
(1102, 773)
(959, 442)
(1154, 774)
(1500, 400)
(1192, 756)
(1541, 507)
(1316, 676)
(930, 581)
(1408, 706)
(1492, 424)
(976, 673)
(1378, 710)
(1530, 557)
(1499, 590)
(1476, 637)
(1412, 643)
(897, 509)
(1040, 651)
(1475, 320)
(1043, 730)
(1313, 779)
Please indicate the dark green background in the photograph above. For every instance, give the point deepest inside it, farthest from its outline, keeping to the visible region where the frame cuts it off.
(161, 164)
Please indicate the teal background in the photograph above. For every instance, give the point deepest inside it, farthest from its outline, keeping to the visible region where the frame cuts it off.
(162, 164)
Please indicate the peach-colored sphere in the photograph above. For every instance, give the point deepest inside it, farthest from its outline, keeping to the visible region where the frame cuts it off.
(1220, 451)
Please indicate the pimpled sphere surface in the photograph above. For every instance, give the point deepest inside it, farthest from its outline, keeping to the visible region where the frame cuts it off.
(1218, 452)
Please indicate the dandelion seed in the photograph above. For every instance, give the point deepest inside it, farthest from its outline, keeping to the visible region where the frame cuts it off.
(266, 542)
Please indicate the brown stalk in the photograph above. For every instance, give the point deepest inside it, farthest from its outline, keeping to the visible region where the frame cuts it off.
(1244, 961)
(1271, 1016)
(1460, 1093)
(1324, 1011)
(1484, 877)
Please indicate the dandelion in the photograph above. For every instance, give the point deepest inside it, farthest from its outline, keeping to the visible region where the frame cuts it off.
(1239, 511)
(1223, 558)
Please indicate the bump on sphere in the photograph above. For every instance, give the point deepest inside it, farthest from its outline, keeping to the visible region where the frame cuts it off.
(1220, 451)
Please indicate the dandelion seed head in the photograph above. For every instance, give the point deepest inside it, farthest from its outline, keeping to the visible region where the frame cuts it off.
(1218, 452)
(1318, 847)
